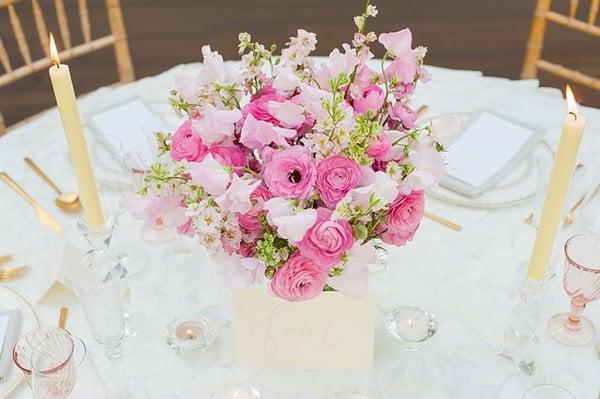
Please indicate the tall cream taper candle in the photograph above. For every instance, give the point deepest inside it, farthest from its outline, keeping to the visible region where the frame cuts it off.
(69, 115)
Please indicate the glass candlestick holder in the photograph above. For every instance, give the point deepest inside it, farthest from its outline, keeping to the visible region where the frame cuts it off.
(194, 333)
(96, 279)
(521, 342)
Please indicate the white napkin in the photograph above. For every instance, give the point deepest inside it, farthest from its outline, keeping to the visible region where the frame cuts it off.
(10, 326)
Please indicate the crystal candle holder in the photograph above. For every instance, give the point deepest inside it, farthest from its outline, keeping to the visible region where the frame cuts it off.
(521, 341)
(410, 326)
(195, 333)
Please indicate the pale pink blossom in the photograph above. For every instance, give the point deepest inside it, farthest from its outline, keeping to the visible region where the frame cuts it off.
(291, 223)
(159, 211)
(285, 79)
(289, 114)
(187, 88)
(429, 168)
(216, 125)
(229, 155)
(354, 280)
(299, 279)
(237, 196)
(240, 272)
(210, 175)
(257, 134)
(214, 69)
(337, 63)
(399, 44)
(403, 114)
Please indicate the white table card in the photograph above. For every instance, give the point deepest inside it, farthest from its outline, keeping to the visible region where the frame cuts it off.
(485, 151)
(129, 126)
(329, 332)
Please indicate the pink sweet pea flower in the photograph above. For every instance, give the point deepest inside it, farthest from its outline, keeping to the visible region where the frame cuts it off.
(240, 272)
(158, 211)
(285, 79)
(186, 228)
(380, 147)
(216, 125)
(336, 175)
(354, 280)
(210, 175)
(258, 107)
(403, 114)
(237, 196)
(290, 173)
(288, 113)
(215, 70)
(371, 99)
(257, 134)
(403, 70)
(299, 279)
(338, 63)
(326, 240)
(399, 44)
(429, 168)
(403, 218)
(186, 145)
(291, 224)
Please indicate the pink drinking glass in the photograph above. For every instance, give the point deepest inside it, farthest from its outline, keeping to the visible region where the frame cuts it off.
(581, 281)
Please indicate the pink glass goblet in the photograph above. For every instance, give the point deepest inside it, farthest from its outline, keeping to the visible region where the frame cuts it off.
(581, 281)
(26, 345)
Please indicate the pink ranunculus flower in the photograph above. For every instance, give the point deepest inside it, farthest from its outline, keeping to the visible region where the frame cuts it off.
(299, 279)
(326, 240)
(229, 155)
(250, 220)
(186, 145)
(290, 173)
(403, 114)
(336, 175)
(371, 99)
(380, 147)
(403, 217)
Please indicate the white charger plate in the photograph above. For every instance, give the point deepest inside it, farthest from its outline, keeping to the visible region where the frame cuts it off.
(10, 299)
(515, 188)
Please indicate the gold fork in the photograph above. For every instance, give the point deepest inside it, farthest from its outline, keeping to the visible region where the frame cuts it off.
(13, 273)
(5, 259)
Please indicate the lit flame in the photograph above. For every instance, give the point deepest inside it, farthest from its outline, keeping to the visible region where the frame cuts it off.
(571, 103)
(53, 52)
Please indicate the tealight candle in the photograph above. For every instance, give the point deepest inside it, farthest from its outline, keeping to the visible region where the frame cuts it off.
(194, 334)
(410, 326)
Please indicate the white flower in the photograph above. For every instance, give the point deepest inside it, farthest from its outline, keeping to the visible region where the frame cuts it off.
(210, 175)
(288, 113)
(214, 69)
(354, 280)
(285, 79)
(429, 168)
(237, 196)
(359, 21)
(372, 10)
(216, 125)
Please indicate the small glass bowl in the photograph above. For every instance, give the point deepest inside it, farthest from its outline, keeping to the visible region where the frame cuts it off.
(194, 333)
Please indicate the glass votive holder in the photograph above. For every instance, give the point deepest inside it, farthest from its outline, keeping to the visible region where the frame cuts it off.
(410, 326)
(195, 333)
(237, 391)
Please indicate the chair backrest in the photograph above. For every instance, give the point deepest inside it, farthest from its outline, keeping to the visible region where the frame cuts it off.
(544, 13)
(15, 70)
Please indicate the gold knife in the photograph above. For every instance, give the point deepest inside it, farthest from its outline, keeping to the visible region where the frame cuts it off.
(42, 216)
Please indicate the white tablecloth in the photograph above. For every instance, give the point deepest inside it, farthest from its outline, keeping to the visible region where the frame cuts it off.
(466, 278)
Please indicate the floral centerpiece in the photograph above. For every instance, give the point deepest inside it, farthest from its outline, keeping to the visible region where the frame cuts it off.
(291, 169)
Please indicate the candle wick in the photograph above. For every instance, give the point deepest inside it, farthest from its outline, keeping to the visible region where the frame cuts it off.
(574, 114)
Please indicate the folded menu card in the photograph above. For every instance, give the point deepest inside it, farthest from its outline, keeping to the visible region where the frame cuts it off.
(488, 148)
(10, 326)
(127, 127)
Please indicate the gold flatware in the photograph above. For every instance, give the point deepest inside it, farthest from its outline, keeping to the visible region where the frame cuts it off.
(442, 221)
(5, 259)
(570, 216)
(42, 216)
(66, 201)
(13, 273)
(62, 317)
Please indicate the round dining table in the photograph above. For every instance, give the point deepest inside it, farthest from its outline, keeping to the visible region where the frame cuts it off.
(466, 278)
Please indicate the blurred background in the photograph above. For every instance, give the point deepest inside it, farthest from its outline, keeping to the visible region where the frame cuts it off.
(486, 35)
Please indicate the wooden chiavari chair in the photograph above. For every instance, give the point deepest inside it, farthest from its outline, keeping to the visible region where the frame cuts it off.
(117, 38)
(542, 14)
